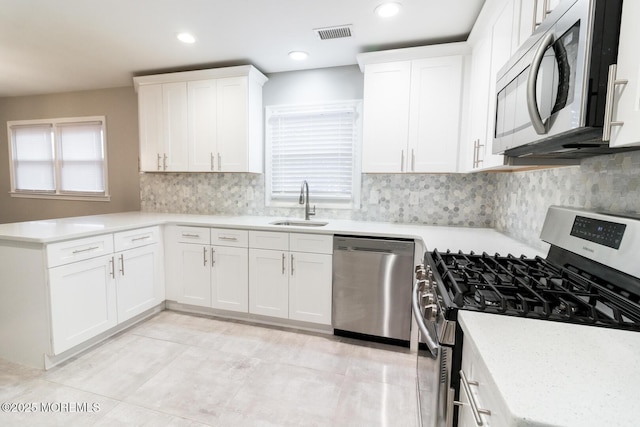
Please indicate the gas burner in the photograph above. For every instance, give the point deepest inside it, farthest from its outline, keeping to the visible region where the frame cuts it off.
(487, 297)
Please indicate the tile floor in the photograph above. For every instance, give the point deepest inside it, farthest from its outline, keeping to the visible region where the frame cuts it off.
(181, 370)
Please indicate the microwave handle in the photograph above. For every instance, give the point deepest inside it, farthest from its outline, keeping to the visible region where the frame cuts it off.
(612, 82)
(417, 314)
(532, 101)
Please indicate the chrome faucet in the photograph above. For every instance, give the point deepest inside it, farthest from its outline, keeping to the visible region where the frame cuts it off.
(304, 200)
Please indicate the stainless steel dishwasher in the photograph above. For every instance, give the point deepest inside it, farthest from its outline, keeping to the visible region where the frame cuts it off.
(372, 284)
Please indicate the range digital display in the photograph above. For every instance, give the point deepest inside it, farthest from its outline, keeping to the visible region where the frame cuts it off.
(602, 232)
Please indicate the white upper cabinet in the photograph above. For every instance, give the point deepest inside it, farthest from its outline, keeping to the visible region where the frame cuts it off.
(202, 108)
(150, 127)
(201, 121)
(626, 98)
(387, 89)
(174, 119)
(434, 121)
(412, 109)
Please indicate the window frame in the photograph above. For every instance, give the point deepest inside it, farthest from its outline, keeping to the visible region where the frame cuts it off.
(58, 193)
(356, 183)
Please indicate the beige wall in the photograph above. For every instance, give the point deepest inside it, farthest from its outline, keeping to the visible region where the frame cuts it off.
(120, 106)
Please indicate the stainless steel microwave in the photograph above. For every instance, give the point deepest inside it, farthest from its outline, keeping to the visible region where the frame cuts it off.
(551, 95)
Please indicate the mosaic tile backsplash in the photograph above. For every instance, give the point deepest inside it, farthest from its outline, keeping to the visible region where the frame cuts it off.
(514, 203)
(434, 199)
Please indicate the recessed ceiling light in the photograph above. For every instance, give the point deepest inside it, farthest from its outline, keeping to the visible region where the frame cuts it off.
(186, 38)
(298, 55)
(388, 9)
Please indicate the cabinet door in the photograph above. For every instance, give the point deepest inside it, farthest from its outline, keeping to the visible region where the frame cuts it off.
(310, 288)
(233, 124)
(195, 274)
(230, 278)
(174, 108)
(434, 121)
(268, 283)
(480, 98)
(83, 301)
(627, 97)
(202, 125)
(150, 123)
(386, 117)
(138, 280)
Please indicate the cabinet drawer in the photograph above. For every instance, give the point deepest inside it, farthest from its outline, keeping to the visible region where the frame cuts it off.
(136, 238)
(269, 240)
(314, 243)
(80, 249)
(185, 234)
(224, 237)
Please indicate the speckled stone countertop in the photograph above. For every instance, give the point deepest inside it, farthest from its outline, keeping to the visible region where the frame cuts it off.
(434, 237)
(559, 374)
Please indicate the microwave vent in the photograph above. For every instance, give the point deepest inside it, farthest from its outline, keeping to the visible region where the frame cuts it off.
(329, 33)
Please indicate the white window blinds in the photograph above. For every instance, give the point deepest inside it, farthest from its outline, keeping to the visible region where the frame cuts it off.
(58, 157)
(81, 157)
(317, 144)
(33, 159)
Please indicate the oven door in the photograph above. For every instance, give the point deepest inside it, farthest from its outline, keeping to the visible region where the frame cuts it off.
(433, 367)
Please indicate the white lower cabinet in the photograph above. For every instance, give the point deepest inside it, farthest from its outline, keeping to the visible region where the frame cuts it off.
(193, 274)
(476, 384)
(209, 275)
(138, 281)
(82, 301)
(230, 278)
(269, 283)
(310, 289)
(291, 284)
(92, 289)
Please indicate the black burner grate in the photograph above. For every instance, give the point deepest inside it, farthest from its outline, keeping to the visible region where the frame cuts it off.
(534, 287)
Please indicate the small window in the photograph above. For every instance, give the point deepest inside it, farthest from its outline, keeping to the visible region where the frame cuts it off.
(59, 158)
(316, 143)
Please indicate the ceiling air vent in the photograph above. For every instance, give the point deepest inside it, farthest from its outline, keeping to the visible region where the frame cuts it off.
(338, 32)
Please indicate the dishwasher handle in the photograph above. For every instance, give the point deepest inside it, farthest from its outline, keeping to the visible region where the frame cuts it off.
(417, 314)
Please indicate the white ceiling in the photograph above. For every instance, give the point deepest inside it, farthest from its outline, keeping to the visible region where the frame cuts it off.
(49, 46)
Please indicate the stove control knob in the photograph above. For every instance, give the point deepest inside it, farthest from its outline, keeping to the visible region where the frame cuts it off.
(431, 313)
(428, 299)
(421, 273)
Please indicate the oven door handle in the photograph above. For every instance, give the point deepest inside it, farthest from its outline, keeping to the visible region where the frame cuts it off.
(417, 314)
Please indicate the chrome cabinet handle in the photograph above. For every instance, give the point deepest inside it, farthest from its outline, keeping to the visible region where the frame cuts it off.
(219, 162)
(213, 260)
(204, 256)
(283, 269)
(608, 109)
(122, 264)
(79, 251)
(164, 162)
(402, 161)
(475, 153)
(229, 239)
(292, 269)
(212, 166)
(417, 314)
(192, 236)
(112, 268)
(532, 98)
(159, 165)
(466, 384)
(413, 161)
(137, 239)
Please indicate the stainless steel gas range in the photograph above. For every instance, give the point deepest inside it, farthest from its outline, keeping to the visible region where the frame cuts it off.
(591, 277)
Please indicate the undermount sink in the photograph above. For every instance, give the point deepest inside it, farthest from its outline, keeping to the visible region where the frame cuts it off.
(300, 223)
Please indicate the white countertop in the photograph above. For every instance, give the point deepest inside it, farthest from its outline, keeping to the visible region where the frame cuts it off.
(558, 374)
(435, 237)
